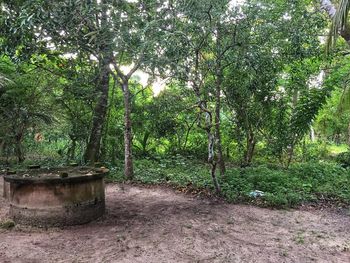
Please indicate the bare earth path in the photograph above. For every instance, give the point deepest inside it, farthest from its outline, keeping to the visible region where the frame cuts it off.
(159, 225)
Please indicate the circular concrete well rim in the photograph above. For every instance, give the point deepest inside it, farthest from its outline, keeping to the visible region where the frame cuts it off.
(56, 196)
(86, 174)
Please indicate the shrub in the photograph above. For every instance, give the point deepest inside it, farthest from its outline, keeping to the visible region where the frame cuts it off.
(343, 159)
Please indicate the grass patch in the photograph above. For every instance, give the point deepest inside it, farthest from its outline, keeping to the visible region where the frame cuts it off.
(336, 149)
(7, 224)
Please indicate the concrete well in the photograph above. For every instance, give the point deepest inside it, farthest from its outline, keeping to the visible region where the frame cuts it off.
(56, 197)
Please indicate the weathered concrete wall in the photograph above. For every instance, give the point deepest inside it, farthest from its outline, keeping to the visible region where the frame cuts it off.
(57, 203)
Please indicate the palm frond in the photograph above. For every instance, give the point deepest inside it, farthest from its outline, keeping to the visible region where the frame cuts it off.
(339, 22)
(46, 118)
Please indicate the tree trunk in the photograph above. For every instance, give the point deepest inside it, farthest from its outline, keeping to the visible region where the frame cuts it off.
(2, 146)
(251, 142)
(211, 147)
(208, 125)
(212, 161)
(188, 130)
(214, 178)
(128, 167)
(221, 161)
(218, 84)
(92, 152)
(71, 150)
(290, 155)
(312, 134)
(93, 147)
(145, 142)
(18, 149)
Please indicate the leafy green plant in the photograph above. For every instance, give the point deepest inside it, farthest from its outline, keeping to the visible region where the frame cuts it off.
(7, 224)
(343, 159)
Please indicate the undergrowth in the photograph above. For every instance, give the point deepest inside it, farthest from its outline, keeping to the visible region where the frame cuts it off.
(283, 188)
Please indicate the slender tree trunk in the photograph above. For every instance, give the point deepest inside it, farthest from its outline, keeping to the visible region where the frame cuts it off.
(18, 149)
(211, 147)
(2, 147)
(218, 84)
(208, 125)
(92, 152)
(71, 150)
(290, 149)
(93, 147)
(220, 156)
(290, 156)
(312, 134)
(145, 142)
(211, 160)
(348, 141)
(251, 142)
(189, 128)
(128, 168)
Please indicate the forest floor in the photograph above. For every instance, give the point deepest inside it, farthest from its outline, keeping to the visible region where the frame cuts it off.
(158, 224)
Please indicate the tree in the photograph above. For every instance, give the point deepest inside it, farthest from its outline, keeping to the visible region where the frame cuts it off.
(109, 32)
(201, 30)
(23, 105)
(33, 27)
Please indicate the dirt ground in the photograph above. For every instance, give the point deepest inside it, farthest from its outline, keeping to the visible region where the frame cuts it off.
(158, 224)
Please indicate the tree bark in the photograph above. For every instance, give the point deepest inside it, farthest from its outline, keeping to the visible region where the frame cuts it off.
(211, 160)
(2, 146)
(251, 142)
(18, 149)
(188, 130)
(128, 166)
(218, 84)
(145, 142)
(71, 149)
(312, 134)
(211, 146)
(92, 152)
(221, 161)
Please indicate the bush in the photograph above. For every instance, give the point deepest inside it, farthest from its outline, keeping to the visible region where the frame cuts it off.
(343, 159)
(314, 151)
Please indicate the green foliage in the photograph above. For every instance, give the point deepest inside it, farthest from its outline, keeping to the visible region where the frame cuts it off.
(343, 159)
(23, 105)
(8, 224)
(313, 151)
(302, 183)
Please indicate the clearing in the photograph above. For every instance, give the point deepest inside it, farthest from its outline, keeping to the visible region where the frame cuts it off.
(157, 224)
